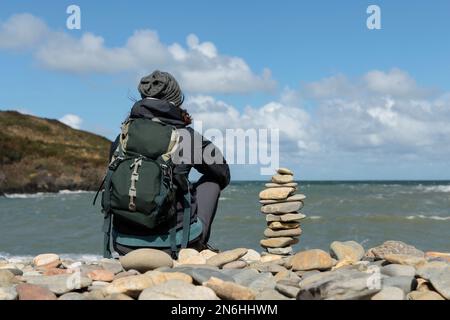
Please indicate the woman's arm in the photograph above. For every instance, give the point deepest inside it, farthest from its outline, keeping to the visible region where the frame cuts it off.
(218, 170)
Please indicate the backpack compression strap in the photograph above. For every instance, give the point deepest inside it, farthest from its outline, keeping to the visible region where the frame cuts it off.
(186, 220)
(108, 217)
(186, 227)
(106, 204)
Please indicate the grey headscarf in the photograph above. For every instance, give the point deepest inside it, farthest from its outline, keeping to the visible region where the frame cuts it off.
(163, 86)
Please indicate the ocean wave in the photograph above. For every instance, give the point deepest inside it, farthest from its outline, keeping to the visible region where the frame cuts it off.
(27, 195)
(314, 217)
(74, 192)
(15, 258)
(421, 216)
(39, 195)
(85, 257)
(440, 188)
(223, 198)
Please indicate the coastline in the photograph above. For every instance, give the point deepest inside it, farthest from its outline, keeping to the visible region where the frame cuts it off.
(390, 271)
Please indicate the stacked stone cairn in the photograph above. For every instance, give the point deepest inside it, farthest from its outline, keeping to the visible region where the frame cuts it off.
(281, 206)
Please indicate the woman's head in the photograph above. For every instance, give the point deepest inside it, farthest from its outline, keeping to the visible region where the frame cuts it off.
(163, 86)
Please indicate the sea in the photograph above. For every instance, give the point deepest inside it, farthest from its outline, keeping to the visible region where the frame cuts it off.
(369, 212)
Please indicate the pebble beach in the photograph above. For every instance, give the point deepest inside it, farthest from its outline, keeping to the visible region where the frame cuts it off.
(391, 271)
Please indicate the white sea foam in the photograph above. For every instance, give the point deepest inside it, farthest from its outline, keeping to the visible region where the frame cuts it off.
(74, 192)
(81, 257)
(15, 259)
(65, 256)
(440, 188)
(26, 195)
(421, 216)
(315, 217)
(39, 195)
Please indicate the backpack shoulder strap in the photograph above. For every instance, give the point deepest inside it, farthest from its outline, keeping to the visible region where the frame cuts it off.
(107, 221)
(186, 226)
(106, 204)
(173, 145)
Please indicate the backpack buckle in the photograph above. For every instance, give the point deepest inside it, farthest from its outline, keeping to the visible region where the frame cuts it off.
(113, 165)
(167, 172)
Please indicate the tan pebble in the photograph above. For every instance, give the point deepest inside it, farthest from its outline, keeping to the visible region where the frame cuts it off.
(285, 171)
(275, 193)
(270, 258)
(283, 225)
(229, 290)
(101, 275)
(208, 253)
(269, 233)
(279, 242)
(282, 178)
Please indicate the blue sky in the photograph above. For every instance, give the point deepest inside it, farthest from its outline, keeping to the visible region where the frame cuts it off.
(326, 69)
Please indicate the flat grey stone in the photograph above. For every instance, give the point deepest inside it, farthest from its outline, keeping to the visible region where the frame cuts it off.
(112, 265)
(252, 279)
(287, 290)
(389, 293)
(407, 284)
(60, 284)
(241, 275)
(438, 273)
(306, 274)
(270, 294)
(283, 207)
(201, 275)
(281, 251)
(337, 285)
(177, 290)
(261, 282)
(268, 267)
(431, 269)
(394, 270)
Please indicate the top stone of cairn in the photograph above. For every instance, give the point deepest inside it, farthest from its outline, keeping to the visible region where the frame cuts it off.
(284, 171)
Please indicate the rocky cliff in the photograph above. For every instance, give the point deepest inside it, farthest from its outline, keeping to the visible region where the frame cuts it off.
(45, 155)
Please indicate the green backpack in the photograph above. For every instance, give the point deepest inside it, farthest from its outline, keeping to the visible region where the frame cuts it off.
(138, 186)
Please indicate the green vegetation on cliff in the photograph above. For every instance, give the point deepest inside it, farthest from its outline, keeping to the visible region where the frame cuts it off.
(45, 155)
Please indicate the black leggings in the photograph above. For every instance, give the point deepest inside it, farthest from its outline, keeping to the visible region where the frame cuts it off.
(207, 193)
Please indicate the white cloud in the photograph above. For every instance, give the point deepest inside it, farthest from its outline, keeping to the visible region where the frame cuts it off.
(331, 87)
(199, 66)
(89, 54)
(22, 31)
(293, 123)
(357, 118)
(395, 83)
(72, 120)
(382, 114)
